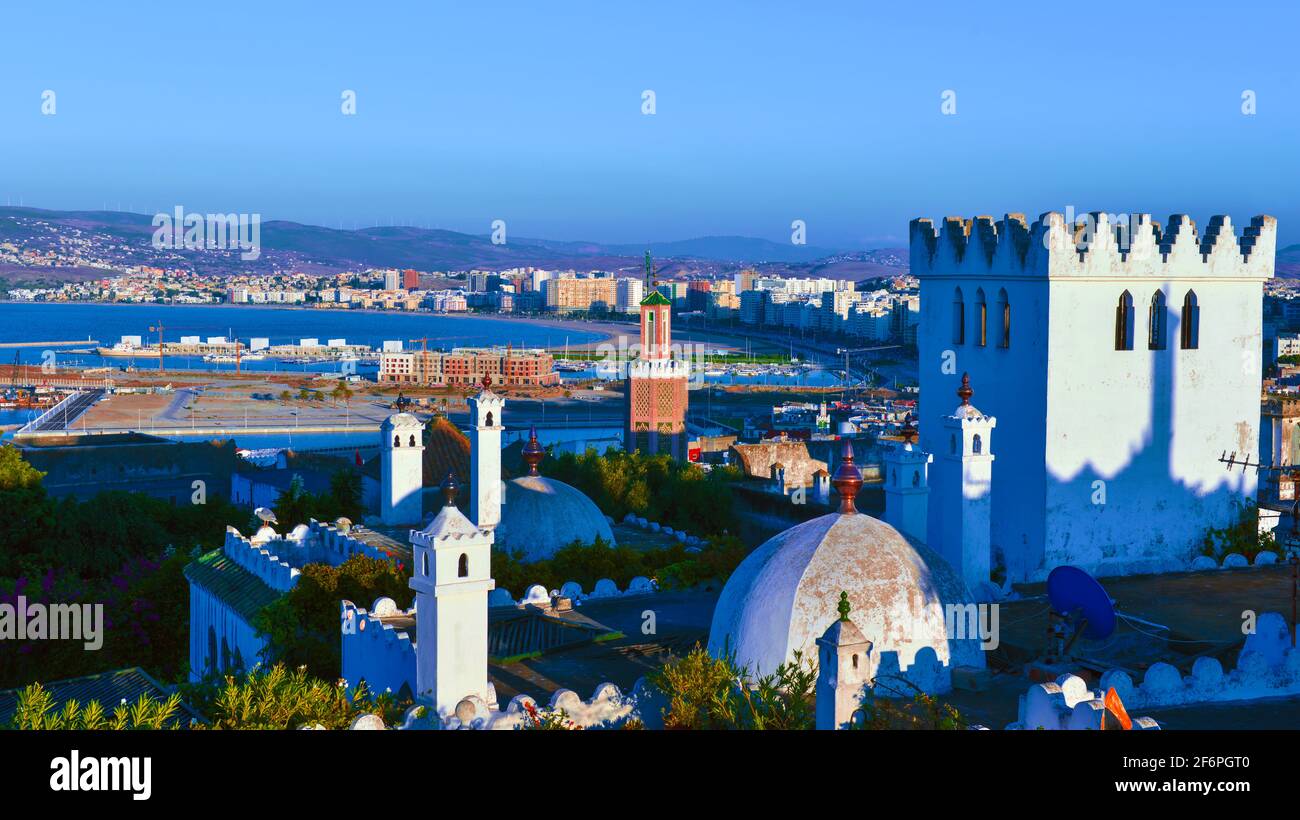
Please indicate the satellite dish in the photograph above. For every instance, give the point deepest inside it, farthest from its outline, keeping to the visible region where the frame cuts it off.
(1082, 602)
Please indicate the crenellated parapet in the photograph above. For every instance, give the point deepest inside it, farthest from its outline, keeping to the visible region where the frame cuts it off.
(1093, 245)
(377, 646)
(261, 560)
(334, 544)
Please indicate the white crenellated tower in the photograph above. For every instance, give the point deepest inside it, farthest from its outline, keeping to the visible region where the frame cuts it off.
(964, 479)
(486, 416)
(451, 576)
(907, 486)
(401, 470)
(1125, 355)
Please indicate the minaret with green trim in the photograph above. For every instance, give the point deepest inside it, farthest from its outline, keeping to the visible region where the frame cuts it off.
(656, 389)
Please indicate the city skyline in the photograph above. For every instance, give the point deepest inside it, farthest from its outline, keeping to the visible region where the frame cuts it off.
(850, 120)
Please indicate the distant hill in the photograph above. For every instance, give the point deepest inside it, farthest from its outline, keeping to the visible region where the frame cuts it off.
(1288, 261)
(120, 238)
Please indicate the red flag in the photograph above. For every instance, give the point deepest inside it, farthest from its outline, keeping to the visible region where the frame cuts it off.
(359, 461)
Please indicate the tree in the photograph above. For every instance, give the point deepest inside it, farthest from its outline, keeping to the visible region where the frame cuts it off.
(302, 626)
(295, 505)
(15, 472)
(341, 392)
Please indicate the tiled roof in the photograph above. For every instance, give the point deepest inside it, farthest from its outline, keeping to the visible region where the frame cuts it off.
(233, 585)
(656, 298)
(108, 688)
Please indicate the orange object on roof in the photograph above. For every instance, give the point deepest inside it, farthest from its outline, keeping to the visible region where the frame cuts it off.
(1116, 707)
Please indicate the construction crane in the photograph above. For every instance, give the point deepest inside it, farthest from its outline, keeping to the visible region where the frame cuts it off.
(159, 330)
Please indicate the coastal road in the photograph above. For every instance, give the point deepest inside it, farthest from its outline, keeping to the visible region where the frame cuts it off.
(69, 410)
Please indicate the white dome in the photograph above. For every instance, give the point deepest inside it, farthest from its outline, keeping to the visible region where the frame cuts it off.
(783, 596)
(541, 515)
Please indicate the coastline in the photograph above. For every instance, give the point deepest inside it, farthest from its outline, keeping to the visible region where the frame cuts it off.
(608, 332)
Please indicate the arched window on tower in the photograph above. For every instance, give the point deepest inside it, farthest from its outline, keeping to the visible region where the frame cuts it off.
(1191, 323)
(958, 318)
(397, 441)
(1124, 322)
(462, 566)
(424, 563)
(1004, 315)
(412, 441)
(977, 444)
(1156, 322)
(981, 319)
(489, 419)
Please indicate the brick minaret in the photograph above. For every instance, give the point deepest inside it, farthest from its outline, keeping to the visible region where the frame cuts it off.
(656, 385)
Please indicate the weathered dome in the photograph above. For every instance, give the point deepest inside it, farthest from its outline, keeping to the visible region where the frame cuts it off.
(541, 515)
(783, 596)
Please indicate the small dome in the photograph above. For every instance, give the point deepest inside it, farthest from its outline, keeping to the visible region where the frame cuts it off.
(541, 515)
(783, 597)
(264, 534)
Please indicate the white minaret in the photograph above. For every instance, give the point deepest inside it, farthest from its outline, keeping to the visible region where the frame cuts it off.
(451, 577)
(485, 413)
(844, 668)
(907, 486)
(966, 475)
(402, 470)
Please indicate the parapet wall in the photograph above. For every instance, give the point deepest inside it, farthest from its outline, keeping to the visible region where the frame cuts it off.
(1268, 666)
(1067, 703)
(336, 546)
(377, 649)
(276, 574)
(1106, 245)
(605, 588)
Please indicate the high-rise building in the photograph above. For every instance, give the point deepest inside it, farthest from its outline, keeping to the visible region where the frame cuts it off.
(630, 293)
(574, 295)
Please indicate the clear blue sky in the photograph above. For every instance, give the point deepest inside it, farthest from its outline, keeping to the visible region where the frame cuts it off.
(766, 112)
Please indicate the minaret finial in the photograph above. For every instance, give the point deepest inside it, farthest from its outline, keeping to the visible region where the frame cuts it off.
(844, 607)
(847, 480)
(909, 430)
(450, 486)
(486, 381)
(965, 392)
(533, 452)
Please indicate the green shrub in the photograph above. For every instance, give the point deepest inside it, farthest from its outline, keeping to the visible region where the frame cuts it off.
(1241, 537)
(36, 710)
(705, 692)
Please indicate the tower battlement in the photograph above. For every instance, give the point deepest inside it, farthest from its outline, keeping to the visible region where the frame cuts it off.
(1094, 245)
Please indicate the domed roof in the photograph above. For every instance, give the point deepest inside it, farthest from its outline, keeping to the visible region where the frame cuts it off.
(541, 515)
(783, 596)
